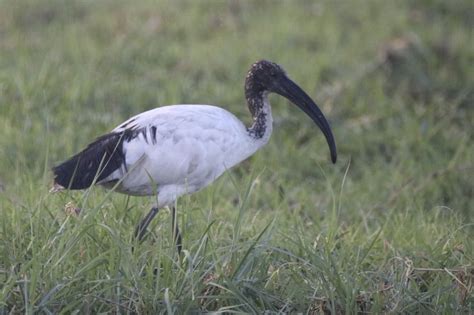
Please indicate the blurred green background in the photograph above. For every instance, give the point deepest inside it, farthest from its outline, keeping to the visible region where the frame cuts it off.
(387, 229)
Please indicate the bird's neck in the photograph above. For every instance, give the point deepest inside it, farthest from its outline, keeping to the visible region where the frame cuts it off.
(259, 106)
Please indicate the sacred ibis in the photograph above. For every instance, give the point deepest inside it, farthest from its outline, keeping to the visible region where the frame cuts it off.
(179, 149)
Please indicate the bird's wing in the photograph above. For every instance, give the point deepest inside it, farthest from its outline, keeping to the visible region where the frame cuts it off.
(180, 144)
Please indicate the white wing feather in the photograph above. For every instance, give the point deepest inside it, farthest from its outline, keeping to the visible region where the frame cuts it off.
(182, 148)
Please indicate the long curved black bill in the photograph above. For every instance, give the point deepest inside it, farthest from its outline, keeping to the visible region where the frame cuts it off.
(287, 88)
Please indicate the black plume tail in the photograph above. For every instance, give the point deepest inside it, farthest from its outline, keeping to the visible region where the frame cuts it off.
(100, 159)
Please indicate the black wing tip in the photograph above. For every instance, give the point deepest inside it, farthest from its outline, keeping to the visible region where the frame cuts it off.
(94, 163)
(65, 175)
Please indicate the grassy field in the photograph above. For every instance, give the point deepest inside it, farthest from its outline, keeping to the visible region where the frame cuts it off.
(388, 229)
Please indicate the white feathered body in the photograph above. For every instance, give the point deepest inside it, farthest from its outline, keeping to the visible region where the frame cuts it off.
(181, 149)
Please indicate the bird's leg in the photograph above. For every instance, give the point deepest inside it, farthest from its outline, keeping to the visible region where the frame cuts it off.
(175, 230)
(141, 228)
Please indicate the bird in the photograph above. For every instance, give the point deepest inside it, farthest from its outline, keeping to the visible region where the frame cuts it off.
(174, 150)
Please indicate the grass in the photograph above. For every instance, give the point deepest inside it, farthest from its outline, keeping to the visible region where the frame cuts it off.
(388, 229)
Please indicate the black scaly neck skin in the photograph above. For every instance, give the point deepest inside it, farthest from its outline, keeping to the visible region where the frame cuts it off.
(259, 114)
(257, 101)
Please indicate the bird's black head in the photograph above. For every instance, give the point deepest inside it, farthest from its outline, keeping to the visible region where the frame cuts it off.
(262, 77)
(266, 76)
